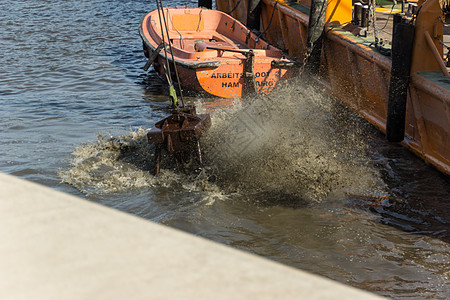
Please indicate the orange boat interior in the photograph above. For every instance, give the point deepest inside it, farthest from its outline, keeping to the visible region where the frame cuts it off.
(193, 31)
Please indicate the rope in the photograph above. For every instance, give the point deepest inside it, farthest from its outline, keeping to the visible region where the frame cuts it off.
(443, 44)
(181, 36)
(442, 21)
(234, 7)
(270, 21)
(417, 14)
(389, 17)
(199, 19)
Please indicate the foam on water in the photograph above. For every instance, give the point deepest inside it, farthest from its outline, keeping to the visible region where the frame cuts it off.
(99, 166)
(291, 146)
(113, 164)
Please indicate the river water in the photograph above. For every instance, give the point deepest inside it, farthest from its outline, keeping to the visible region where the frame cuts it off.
(292, 176)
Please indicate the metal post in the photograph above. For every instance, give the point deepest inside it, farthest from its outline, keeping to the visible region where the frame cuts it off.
(357, 11)
(365, 16)
(402, 44)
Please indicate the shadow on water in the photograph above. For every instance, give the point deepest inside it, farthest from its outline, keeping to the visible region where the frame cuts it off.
(418, 199)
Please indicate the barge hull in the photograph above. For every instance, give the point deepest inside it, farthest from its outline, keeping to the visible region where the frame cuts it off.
(358, 76)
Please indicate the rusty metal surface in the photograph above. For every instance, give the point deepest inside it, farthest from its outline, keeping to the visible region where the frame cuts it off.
(179, 133)
(179, 129)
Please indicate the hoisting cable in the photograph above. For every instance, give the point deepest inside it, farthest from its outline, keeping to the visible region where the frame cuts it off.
(164, 43)
(172, 93)
(171, 52)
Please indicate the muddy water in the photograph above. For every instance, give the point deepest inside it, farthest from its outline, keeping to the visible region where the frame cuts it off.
(292, 176)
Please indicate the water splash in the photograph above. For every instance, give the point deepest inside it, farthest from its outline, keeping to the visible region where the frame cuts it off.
(102, 167)
(293, 146)
(113, 164)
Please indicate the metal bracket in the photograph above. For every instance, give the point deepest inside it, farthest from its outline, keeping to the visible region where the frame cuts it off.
(153, 56)
(249, 71)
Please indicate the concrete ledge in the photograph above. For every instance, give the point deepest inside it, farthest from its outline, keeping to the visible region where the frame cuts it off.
(56, 246)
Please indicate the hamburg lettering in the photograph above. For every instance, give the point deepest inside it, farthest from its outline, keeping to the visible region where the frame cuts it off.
(264, 83)
(230, 84)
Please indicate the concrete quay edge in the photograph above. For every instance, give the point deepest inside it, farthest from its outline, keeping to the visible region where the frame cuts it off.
(57, 246)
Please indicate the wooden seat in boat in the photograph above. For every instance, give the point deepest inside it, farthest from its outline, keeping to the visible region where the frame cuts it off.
(201, 45)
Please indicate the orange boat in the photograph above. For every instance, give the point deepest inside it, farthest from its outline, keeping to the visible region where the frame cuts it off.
(211, 52)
